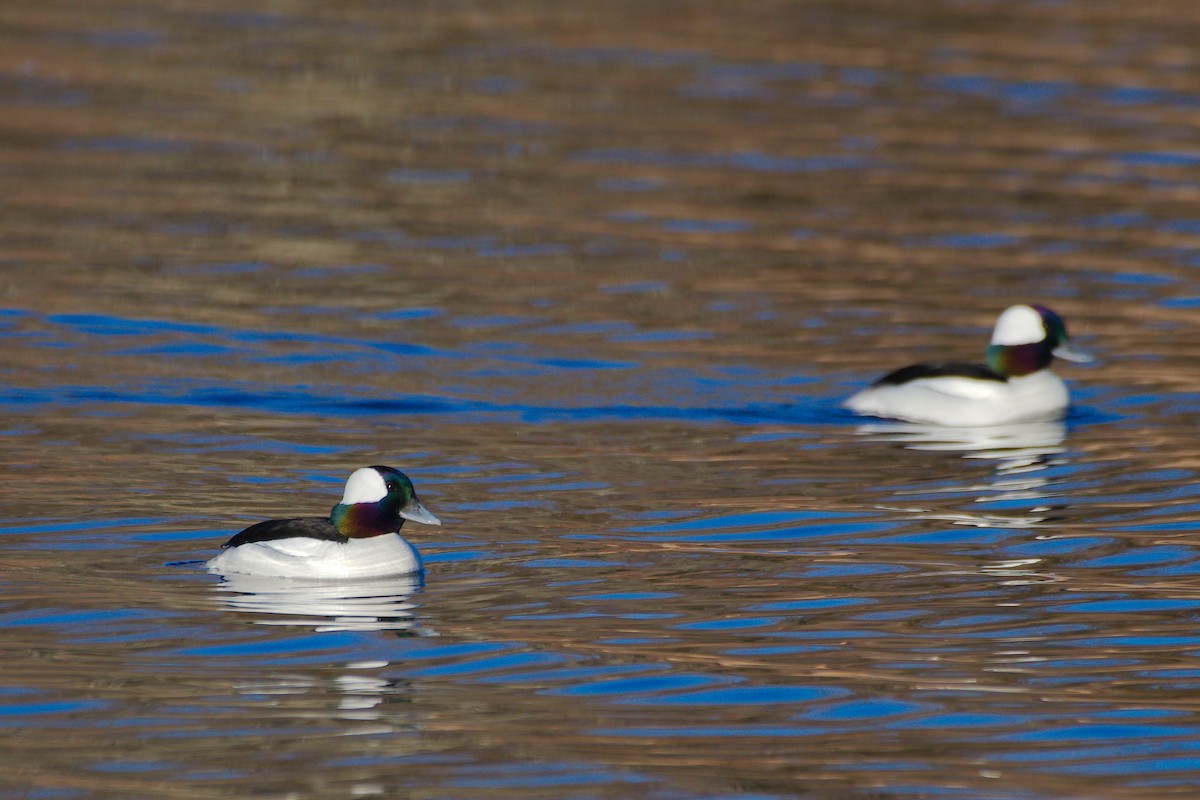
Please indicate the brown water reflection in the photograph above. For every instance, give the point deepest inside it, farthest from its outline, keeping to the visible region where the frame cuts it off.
(596, 277)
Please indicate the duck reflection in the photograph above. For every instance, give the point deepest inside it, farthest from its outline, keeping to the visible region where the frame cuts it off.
(1019, 453)
(361, 605)
(363, 703)
(363, 700)
(1021, 447)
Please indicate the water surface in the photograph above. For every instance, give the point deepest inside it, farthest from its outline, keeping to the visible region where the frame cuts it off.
(597, 280)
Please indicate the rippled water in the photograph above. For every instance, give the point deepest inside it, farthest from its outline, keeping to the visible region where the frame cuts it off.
(596, 278)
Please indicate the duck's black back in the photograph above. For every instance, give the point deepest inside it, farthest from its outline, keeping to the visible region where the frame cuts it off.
(304, 527)
(979, 372)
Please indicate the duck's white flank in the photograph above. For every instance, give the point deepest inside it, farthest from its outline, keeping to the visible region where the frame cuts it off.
(962, 401)
(303, 557)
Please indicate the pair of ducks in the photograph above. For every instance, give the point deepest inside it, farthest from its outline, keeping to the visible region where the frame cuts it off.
(361, 537)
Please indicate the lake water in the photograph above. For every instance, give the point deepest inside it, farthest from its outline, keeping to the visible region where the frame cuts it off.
(597, 276)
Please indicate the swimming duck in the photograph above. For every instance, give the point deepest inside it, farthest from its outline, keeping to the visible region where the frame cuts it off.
(359, 539)
(1016, 384)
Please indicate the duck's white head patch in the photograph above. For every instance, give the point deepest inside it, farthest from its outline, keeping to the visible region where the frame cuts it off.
(1019, 325)
(364, 486)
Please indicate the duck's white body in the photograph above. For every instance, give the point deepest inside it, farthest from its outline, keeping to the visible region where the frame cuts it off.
(303, 557)
(962, 401)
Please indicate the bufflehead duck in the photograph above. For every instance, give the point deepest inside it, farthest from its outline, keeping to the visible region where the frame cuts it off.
(1016, 384)
(359, 539)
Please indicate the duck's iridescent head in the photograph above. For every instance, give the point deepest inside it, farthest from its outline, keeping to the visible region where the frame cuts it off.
(377, 500)
(1027, 339)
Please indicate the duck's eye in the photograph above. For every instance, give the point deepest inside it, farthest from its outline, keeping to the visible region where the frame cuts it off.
(392, 486)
